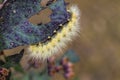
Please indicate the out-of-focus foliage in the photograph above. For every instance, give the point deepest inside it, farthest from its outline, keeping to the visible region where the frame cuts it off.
(43, 75)
(33, 76)
(1, 1)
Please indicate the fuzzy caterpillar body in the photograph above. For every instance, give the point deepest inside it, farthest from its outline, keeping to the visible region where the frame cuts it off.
(57, 43)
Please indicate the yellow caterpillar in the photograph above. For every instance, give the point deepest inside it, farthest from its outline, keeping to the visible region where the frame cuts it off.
(56, 44)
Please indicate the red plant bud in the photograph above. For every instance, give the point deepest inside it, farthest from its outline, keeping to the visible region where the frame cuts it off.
(51, 59)
(2, 78)
(58, 68)
(4, 71)
(69, 64)
(69, 70)
(69, 75)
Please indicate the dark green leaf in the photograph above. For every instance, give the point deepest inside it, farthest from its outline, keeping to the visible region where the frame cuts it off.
(18, 68)
(1, 63)
(15, 58)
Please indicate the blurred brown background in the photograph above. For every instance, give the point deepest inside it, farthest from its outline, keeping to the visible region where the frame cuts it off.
(99, 42)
